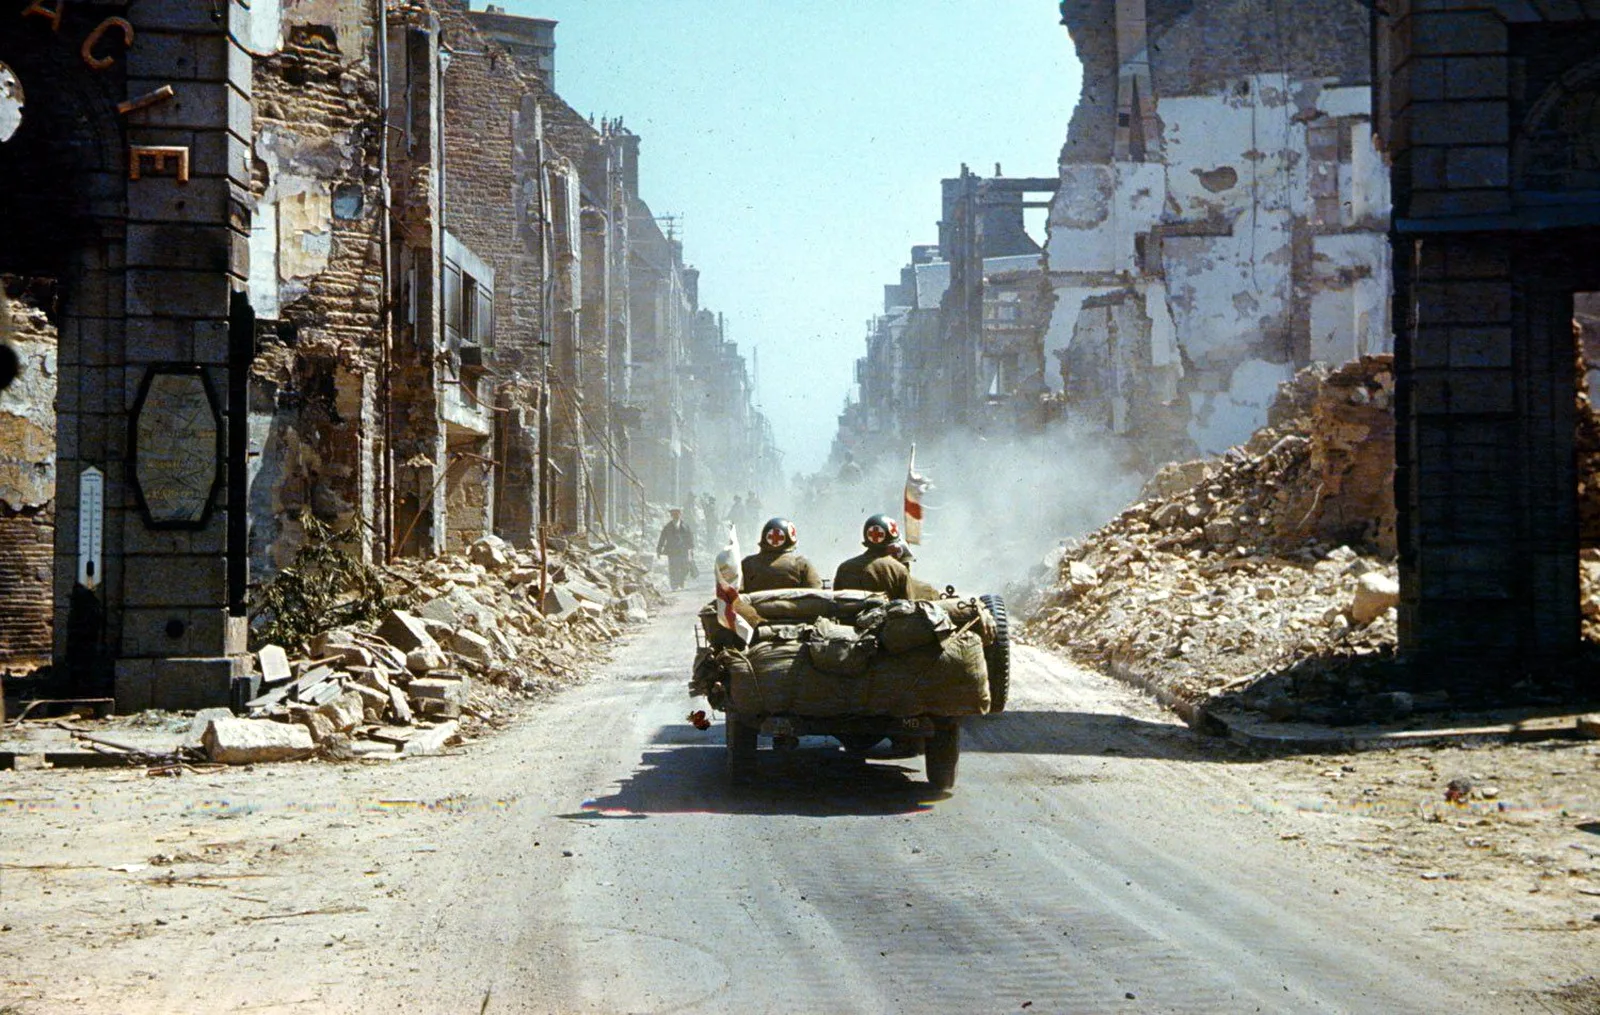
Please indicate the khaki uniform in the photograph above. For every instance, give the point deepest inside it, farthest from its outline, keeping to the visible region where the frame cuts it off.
(778, 569)
(879, 571)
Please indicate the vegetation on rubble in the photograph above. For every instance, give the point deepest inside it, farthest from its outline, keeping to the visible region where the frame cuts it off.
(326, 586)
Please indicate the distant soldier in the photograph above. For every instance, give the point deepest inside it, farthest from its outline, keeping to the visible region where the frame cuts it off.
(736, 512)
(676, 543)
(713, 524)
(880, 568)
(776, 565)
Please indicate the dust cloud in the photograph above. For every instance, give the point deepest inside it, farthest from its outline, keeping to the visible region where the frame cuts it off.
(996, 507)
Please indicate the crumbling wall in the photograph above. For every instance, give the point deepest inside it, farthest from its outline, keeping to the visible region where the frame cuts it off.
(27, 487)
(1237, 215)
(317, 281)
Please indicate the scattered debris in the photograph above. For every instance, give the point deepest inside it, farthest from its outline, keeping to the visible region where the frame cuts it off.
(1265, 575)
(459, 640)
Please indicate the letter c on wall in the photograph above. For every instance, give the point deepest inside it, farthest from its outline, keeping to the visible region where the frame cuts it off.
(87, 50)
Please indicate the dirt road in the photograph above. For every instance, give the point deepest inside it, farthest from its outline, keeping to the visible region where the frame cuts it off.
(1094, 857)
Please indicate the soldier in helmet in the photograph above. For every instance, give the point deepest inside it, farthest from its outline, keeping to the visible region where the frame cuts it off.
(881, 567)
(776, 565)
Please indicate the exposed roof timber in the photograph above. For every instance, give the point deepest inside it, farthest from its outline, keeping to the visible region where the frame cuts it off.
(1021, 183)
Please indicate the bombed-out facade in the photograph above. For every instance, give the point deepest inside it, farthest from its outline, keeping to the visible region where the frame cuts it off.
(319, 260)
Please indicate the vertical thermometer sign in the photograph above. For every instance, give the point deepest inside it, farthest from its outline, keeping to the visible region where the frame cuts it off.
(91, 525)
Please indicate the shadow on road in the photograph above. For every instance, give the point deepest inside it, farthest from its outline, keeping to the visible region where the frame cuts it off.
(1089, 733)
(815, 780)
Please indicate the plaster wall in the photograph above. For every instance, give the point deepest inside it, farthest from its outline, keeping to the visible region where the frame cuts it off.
(1254, 240)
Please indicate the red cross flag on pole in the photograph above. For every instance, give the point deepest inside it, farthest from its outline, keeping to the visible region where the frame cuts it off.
(916, 486)
(729, 578)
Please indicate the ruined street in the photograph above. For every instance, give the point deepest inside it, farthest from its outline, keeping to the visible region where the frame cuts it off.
(1094, 856)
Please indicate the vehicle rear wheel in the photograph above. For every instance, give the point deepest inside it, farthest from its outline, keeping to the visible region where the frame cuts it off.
(997, 654)
(942, 752)
(741, 748)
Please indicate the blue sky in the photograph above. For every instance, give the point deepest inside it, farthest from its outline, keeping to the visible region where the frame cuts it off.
(803, 143)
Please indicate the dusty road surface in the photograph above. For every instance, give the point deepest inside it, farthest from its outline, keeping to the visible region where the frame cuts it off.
(1093, 857)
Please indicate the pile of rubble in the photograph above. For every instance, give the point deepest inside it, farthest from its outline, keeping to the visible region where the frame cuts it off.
(470, 637)
(1264, 576)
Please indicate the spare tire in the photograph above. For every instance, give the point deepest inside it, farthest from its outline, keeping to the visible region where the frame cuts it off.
(997, 654)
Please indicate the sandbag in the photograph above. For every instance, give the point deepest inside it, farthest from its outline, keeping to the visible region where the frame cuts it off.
(834, 648)
(950, 678)
(803, 605)
(778, 677)
(910, 625)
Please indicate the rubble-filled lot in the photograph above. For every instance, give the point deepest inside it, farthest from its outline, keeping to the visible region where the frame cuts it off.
(460, 639)
(1273, 561)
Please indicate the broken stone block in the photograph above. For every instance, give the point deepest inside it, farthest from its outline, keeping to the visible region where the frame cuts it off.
(374, 703)
(490, 552)
(1082, 577)
(370, 676)
(432, 741)
(406, 632)
(588, 592)
(346, 711)
(438, 708)
(1167, 515)
(352, 655)
(456, 689)
(274, 664)
(248, 741)
(318, 725)
(1589, 725)
(634, 608)
(399, 706)
(559, 602)
(1374, 593)
(202, 719)
(426, 660)
(504, 644)
(472, 646)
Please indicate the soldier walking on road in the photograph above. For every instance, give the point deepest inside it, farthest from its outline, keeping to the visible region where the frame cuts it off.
(676, 543)
(776, 565)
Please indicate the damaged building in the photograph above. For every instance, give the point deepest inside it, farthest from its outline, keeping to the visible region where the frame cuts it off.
(1219, 219)
(1222, 214)
(959, 339)
(323, 260)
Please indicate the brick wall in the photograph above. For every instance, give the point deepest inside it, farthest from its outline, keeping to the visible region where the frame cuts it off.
(27, 540)
(490, 187)
(316, 171)
(27, 488)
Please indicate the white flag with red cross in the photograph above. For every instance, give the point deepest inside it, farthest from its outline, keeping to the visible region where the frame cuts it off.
(916, 486)
(729, 578)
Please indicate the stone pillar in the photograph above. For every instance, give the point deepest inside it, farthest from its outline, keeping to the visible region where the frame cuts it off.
(1492, 230)
(163, 402)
